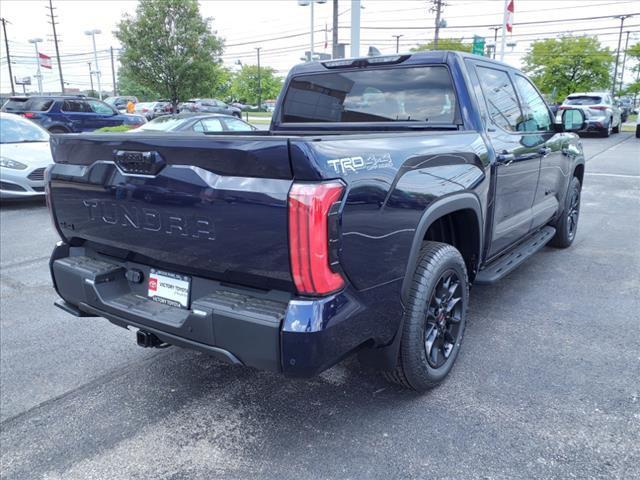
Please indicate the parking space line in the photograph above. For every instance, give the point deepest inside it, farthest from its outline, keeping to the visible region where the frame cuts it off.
(619, 175)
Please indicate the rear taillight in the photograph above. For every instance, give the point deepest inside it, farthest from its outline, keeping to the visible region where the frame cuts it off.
(599, 107)
(29, 115)
(310, 206)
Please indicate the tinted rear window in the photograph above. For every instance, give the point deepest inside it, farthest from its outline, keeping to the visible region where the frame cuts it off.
(27, 105)
(583, 100)
(421, 94)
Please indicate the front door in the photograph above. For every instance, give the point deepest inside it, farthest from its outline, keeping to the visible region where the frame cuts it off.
(555, 166)
(517, 158)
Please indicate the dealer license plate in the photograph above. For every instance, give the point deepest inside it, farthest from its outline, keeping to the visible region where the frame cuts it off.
(169, 288)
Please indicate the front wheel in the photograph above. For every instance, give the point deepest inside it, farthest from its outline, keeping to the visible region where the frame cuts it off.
(567, 224)
(434, 320)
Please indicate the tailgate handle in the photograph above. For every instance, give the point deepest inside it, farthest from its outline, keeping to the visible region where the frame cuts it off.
(138, 163)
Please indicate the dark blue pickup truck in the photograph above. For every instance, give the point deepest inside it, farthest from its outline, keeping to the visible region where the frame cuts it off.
(384, 188)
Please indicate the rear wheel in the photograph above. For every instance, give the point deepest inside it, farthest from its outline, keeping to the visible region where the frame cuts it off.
(616, 129)
(567, 224)
(434, 320)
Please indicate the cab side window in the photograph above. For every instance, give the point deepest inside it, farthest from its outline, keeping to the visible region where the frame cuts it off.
(537, 118)
(501, 98)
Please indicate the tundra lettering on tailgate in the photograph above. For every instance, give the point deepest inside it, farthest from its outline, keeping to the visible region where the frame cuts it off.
(152, 220)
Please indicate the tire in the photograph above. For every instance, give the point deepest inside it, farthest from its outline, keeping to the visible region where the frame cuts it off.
(430, 329)
(638, 131)
(616, 129)
(567, 225)
(237, 115)
(58, 130)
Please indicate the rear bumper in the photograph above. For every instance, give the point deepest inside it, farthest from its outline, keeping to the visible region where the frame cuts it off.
(271, 330)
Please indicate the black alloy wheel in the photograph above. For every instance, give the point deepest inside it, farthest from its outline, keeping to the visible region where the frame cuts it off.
(443, 316)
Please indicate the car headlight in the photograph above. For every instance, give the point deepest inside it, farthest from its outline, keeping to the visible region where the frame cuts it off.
(8, 163)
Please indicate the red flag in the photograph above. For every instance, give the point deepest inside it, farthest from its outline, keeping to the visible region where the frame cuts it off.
(509, 16)
(45, 60)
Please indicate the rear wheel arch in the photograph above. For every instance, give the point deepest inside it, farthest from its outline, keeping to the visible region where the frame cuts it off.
(578, 172)
(58, 129)
(460, 212)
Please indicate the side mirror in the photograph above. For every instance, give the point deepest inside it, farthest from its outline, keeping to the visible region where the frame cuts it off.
(573, 120)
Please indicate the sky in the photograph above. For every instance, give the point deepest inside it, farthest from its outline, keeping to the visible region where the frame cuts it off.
(247, 24)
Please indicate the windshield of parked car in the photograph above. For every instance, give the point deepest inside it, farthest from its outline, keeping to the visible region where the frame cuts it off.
(162, 124)
(18, 130)
(420, 94)
(583, 100)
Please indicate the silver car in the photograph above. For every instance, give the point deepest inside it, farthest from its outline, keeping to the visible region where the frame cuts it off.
(24, 155)
(602, 114)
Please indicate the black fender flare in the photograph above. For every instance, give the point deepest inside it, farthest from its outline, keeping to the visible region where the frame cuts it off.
(439, 208)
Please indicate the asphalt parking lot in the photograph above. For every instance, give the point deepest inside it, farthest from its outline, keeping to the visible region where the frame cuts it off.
(547, 384)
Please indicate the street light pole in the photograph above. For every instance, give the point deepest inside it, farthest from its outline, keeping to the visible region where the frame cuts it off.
(355, 28)
(615, 70)
(93, 33)
(35, 42)
(397, 37)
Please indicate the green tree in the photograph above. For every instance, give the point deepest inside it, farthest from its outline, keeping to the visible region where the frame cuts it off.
(446, 44)
(128, 86)
(168, 48)
(244, 86)
(569, 64)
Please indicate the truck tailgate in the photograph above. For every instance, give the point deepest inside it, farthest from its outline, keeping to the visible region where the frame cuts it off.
(213, 206)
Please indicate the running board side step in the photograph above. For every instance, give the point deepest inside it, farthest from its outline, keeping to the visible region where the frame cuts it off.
(509, 262)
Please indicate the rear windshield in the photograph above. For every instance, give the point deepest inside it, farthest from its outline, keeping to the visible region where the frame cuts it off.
(27, 105)
(420, 94)
(583, 100)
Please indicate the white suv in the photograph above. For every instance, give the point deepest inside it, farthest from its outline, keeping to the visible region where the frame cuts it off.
(602, 114)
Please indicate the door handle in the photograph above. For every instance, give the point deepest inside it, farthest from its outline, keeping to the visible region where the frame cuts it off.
(544, 151)
(505, 158)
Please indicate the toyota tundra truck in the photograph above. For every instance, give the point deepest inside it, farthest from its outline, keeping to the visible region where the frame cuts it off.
(385, 187)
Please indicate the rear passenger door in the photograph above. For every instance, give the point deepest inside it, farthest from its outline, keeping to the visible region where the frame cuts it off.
(517, 157)
(77, 114)
(555, 167)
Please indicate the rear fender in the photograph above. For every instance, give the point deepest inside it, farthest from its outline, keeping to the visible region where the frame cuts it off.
(438, 209)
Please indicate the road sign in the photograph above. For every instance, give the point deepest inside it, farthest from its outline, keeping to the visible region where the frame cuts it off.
(478, 45)
(23, 80)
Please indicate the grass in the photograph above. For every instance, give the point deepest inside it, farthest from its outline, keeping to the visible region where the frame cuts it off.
(119, 128)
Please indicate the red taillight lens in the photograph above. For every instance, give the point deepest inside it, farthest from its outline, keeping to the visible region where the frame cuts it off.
(29, 114)
(598, 108)
(309, 206)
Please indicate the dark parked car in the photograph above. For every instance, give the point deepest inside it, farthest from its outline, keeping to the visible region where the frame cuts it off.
(66, 114)
(196, 122)
(120, 102)
(208, 105)
(356, 225)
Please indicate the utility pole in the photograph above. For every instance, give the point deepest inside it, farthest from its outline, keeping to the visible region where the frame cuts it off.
(615, 70)
(259, 80)
(55, 41)
(437, 7)
(6, 44)
(624, 59)
(113, 74)
(90, 76)
(334, 31)
(495, 39)
(397, 37)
